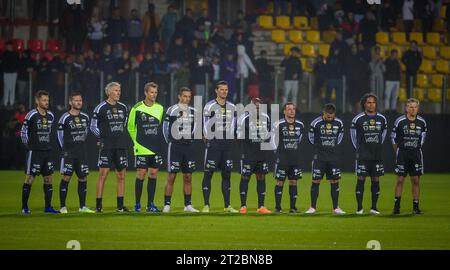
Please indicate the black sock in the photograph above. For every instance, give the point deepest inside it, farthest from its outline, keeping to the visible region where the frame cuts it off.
(243, 190)
(167, 200)
(261, 189)
(48, 192)
(63, 187)
(151, 188)
(375, 189)
(187, 199)
(415, 204)
(397, 202)
(206, 186)
(82, 190)
(98, 203)
(138, 186)
(359, 193)
(26, 189)
(293, 195)
(278, 196)
(314, 194)
(226, 188)
(119, 202)
(335, 194)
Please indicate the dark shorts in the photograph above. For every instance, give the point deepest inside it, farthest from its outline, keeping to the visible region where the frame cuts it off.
(180, 157)
(39, 162)
(248, 167)
(77, 163)
(113, 158)
(320, 168)
(218, 159)
(148, 161)
(409, 162)
(370, 168)
(291, 172)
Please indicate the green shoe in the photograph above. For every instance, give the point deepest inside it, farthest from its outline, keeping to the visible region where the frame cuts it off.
(205, 209)
(230, 209)
(86, 210)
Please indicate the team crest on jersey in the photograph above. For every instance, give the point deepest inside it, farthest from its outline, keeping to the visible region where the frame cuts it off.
(328, 126)
(143, 117)
(77, 120)
(412, 126)
(372, 122)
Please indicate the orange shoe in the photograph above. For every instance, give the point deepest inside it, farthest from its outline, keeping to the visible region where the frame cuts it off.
(243, 210)
(263, 210)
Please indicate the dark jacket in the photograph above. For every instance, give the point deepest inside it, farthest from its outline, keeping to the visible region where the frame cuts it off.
(10, 62)
(412, 60)
(293, 66)
(335, 68)
(393, 70)
(264, 69)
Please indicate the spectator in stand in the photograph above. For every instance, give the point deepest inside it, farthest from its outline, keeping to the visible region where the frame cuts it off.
(229, 70)
(265, 71)
(377, 69)
(161, 72)
(340, 46)
(186, 27)
(207, 22)
(428, 14)
(77, 82)
(73, 27)
(325, 17)
(168, 25)
(134, 33)
(211, 51)
(156, 50)
(447, 19)
(350, 29)
(408, 16)
(177, 51)
(106, 64)
(279, 8)
(368, 27)
(116, 32)
(320, 75)
(335, 68)
(43, 73)
(96, 31)
(91, 78)
(26, 66)
(151, 23)
(240, 22)
(412, 59)
(216, 73)
(244, 63)
(292, 74)
(356, 71)
(123, 71)
(10, 68)
(392, 77)
(198, 76)
(195, 50)
(18, 152)
(57, 69)
(145, 71)
(388, 16)
(219, 40)
(182, 75)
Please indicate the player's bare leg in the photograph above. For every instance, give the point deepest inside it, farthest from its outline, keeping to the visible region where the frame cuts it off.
(102, 176)
(139, 183)
(26, 189)
(187, 188)
(375, 190)
(168, 189)
(151, 188)
(120, 175)
(261, 190)
(415, 180)
(314, 195)
(63, 188)
(278, 195)
(360, 194)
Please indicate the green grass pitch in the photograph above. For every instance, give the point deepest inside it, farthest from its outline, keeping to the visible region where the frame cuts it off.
(217, 230)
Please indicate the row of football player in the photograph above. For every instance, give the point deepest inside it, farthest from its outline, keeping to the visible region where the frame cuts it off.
(111, 118)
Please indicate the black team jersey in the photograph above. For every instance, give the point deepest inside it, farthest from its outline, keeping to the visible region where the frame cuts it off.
(36, 130)
(326, 137)
(407, 134)
(72, 132)
(290, 136)
(184, 119)
(109, 124)
(219, 119)
(368, 133)
(253, 133)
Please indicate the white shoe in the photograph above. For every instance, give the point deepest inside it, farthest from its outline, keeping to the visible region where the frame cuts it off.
(374, 212)
(338, 211)
(191, 209)
(166, 208)
(360, 212)
(311, 211)
(63, 210)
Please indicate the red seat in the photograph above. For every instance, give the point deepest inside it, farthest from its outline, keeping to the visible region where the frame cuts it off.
(53, 45)
(36, 45)
(18, 44)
